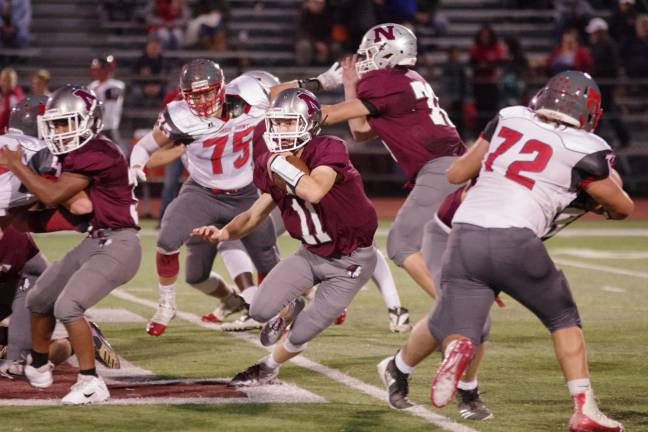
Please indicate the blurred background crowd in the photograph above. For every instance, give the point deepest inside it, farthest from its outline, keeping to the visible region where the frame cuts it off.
(478, 55)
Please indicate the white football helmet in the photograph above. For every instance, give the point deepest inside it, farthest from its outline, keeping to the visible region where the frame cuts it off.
(80, 109)
(266, 79)
(384, 46)
(292, 104)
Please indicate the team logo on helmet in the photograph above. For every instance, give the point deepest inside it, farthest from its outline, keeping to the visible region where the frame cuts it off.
(385, 31)
(312, 104)
(87, 97)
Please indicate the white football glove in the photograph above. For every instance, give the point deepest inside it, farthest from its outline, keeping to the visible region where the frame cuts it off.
(137, 175)
(332, 78)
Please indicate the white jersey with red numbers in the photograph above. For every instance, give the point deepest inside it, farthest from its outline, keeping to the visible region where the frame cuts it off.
(531, 172)
(12, 194)
(219, 152)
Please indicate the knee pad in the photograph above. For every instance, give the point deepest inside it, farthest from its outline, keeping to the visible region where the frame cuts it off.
(569, 317)
(167, 264)
(66, 310)
(257, 313)
(36, 304)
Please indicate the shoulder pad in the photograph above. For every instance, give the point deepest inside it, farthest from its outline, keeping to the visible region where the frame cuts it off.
(250, 90)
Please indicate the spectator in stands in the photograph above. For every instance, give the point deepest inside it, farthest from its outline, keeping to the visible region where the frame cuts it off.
(399, 11)
(453, 86)
(486, 57)
(111, 92)
(569, 54)
(635, 51)
(167, 19)
(15, 17)
(148, 87)
(605, 70)
(39, 85)
(117, 10)
(354, 18)
(314, 33)
(427, 13)
(515, 73)
(572, 14)
(10, 95)
(622, 21)
(207, 29)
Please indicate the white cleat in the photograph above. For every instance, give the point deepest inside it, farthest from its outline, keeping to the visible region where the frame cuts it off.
(166, 311)
(588, 418)
(399, 320)
(87, 390)
(40, 377)
(244, 323)
(229, 305)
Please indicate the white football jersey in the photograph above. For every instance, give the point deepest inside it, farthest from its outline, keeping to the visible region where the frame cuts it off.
(11, 193)
(531, 172)
(111, 93)
(219, 152)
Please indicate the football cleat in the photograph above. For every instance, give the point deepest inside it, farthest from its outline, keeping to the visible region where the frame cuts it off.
(243, 323)
(40, 377)
(166, 311)
(588, 418)
(255, 375)
(342, 317)
(399, 320)
(229, 305)
(457, 357)
(87, 390)
(396, 383)
(277, 326)
(104, 352)
(471, 407)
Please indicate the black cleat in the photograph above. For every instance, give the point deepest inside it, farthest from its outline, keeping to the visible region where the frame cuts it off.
(255, 375)
(396, 383)
(471, 406)
(276, 327)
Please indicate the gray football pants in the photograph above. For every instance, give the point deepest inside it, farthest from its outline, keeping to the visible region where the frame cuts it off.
(435, 241)
(20, 324)
(479, 262)
(196, 206)
(339, 280)
(87, 274)
(429, 191)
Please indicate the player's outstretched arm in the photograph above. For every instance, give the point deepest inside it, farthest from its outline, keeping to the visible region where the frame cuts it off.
(327, 80)
(609, 193)
(468, 165)
(48, 192)
(165, 156)
(343, 111)
(241, 225)
(359, 126)
(145, 147)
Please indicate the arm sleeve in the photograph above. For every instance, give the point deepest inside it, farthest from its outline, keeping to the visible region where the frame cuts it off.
(166, 124)
(489, 130)
(594, 166)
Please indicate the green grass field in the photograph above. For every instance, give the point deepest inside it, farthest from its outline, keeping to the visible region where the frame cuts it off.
(520, 378)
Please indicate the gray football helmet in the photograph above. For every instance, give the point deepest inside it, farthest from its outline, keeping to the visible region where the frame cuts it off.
(23, 118)
(571, 97)
(266, 79)
(75, 107)
(386, 45)
(202, 83)
(300, 106)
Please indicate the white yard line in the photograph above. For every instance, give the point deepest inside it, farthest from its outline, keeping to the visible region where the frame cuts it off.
(601, 254)
(612, 289)
(334, 374)
(602, 268)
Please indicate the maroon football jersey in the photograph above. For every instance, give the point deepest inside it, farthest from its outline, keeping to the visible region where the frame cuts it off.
(405, 114)
(343, 220)
(110, 190)
(259, 147)
(16, 248)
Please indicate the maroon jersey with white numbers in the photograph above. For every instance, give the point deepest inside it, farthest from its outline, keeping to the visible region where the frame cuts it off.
(405, 114)
(16, 248)
(259, 147)
(110, 190)
(343, 220)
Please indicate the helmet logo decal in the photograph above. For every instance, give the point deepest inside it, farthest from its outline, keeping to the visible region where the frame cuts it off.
(387, 32)
(87, 97)
(311, 103)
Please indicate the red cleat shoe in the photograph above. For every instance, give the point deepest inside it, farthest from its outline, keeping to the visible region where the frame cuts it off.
(458, 354)
(342, 317)
(210, 318)
(588, 418)
(155, 328)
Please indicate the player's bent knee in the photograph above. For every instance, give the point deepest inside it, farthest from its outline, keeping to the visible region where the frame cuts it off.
(567, 318)
(38, 303)
(259, 313)
(68, 310)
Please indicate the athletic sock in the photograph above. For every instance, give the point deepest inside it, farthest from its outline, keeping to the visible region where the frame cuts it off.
(401, 365)
(579, 386)
(39, 359)
(468, 385)
(92, 372)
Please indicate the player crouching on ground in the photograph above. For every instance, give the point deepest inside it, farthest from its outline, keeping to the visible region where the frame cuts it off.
(107, 258)
(323, 204)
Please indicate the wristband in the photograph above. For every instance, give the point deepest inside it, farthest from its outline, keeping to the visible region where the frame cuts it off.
(288, 172)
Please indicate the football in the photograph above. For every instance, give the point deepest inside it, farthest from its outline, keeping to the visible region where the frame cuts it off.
(294, 161)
